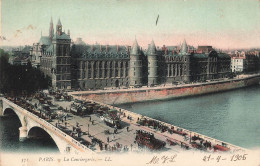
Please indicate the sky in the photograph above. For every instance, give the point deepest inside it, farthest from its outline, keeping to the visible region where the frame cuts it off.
(220, 23)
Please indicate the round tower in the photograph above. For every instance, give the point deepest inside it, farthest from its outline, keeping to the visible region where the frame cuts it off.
(152, 65)
(135, 72)
(186, 62)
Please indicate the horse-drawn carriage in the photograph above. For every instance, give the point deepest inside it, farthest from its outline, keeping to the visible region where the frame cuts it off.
(147, 139)
(81, 109)
(111, 118)
(222, 148)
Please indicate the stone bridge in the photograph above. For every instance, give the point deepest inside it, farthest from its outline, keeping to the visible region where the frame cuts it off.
(32, 124)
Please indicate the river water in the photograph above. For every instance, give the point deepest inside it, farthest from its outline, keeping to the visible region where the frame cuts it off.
(9, 139)
(232, 116)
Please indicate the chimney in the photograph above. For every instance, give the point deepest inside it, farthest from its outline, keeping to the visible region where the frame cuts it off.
(117, 48)
(68, 32)
(166, 51)
(106, 48)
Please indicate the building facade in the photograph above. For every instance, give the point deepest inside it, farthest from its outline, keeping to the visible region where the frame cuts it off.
(247, 62)
(20, 56)
(52, 55)
(99, 66)
(81, 66)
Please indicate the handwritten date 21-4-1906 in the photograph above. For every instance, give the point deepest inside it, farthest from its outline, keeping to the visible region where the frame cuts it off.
(234, 157)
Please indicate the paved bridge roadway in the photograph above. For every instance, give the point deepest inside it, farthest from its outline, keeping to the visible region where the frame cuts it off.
(67, 144)
(64, 142)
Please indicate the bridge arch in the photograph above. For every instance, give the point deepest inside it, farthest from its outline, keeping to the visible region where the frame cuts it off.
(37, 132)
(10, 111)
(28, 121)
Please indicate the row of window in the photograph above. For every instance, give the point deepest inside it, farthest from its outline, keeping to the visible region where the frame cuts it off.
(177, 59)
(63, 60)
(63, 77)
(46, 62)
(63, 69)
(109, 73)
(103, 64)
(175, 70)
(63, 50)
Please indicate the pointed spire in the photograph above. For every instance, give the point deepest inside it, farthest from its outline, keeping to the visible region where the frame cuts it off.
(59, 28)
(68, 32)
(184, 47)
(59, 23)
(135, 49)
(51, 30)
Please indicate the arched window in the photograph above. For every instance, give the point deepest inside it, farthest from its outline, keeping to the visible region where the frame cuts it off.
(111, 69)
(100, 69)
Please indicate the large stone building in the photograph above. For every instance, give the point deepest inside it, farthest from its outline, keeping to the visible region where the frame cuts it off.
(52, 55)
(82, 66)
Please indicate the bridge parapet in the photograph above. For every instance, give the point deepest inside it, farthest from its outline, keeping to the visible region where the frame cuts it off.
(135, 117)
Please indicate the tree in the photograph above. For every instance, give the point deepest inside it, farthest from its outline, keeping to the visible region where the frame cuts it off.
(3, 67)
(18, 79)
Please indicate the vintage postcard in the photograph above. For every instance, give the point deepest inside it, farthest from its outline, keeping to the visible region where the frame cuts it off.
(129, 82)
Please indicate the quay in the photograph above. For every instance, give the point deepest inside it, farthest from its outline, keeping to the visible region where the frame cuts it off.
(87, 132)
(168, 91)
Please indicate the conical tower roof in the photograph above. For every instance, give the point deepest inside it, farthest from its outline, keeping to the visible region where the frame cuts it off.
(135, 49)
(184, 47)
(151, 49)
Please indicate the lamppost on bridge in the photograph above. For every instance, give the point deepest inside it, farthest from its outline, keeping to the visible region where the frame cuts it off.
(190, 136)
(88, 129)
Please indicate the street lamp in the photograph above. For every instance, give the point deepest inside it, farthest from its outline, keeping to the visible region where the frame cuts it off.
(190, 136)
(88, 129)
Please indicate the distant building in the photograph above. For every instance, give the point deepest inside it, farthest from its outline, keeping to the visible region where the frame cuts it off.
(245, 61)
(82, 66)
(204, 49)
(252, 62)
(20, 56)
(238, 64)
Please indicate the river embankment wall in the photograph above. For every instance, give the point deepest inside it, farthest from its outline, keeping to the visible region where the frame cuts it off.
(122, 96)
